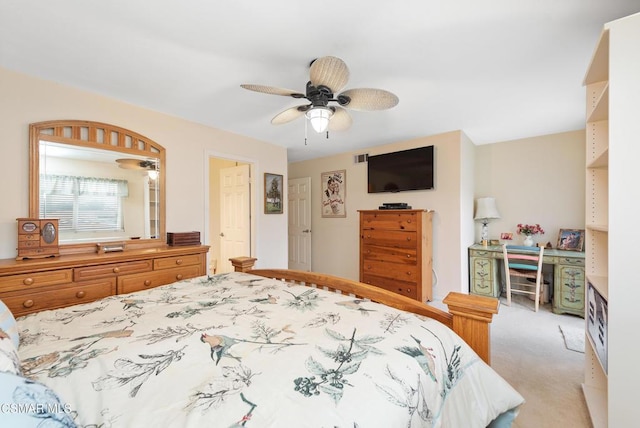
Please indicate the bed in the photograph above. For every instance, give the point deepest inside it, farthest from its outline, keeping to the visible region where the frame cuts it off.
(257, 348)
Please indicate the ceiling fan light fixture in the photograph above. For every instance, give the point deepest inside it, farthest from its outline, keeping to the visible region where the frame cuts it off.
(319, 118)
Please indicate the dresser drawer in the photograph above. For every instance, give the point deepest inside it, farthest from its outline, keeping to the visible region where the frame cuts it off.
(388, 238)
(59, 296)
(571, 261)
(389, 254)
(390, 221)
(112, 269)
(172, 262)
(143, 281)
(36, 279)
(405, 288)
(400, 272)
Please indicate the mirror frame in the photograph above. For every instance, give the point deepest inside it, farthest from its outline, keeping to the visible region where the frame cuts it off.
(95, 135)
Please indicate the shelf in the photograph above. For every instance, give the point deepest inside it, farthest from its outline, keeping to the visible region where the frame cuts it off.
(599, 66)
(596, 399)
(601, 160)
(600, 105)
(601, 283)
(598, 227)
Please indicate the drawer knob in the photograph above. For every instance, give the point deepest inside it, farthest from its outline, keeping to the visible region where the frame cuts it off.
(116, 270)
(409, 273)
(27, 303)
(408, 256)
(409, 221)
(179, 261)
(147, 282)
(179, 276)
(80, 294)
(27, 281)
(408, 238)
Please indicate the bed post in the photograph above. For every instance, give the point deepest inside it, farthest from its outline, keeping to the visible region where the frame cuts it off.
(472, 315)
(243, 264)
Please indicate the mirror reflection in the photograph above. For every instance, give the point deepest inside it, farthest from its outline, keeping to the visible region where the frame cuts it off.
(98, 195)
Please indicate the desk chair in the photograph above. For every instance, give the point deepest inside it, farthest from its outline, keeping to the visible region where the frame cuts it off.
(523, 271)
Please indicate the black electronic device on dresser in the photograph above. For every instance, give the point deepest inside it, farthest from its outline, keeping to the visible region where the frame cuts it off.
(395, 206)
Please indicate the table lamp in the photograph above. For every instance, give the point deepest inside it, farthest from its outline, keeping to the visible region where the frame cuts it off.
(485, 211)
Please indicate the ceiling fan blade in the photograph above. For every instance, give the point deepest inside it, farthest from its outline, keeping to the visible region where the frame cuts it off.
(367, 99)
(329, 71)
(341, 120)
(273, 90)
(289, 114)
(129, 163)
(136, 164)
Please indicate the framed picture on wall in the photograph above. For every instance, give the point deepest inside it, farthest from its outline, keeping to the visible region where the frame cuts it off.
(334, 189)
(571, 239)
(273, 193)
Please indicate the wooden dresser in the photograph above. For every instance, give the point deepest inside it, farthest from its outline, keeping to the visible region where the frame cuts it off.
(28, 286)
(396, 251)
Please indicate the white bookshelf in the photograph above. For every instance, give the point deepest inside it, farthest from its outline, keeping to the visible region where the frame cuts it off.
(612, 200)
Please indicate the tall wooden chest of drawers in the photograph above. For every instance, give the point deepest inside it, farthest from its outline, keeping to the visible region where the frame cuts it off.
(396, 251)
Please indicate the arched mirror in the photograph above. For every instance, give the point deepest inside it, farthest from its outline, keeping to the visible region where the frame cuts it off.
(104, 184)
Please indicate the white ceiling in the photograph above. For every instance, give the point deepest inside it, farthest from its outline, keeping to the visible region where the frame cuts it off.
(496, 69)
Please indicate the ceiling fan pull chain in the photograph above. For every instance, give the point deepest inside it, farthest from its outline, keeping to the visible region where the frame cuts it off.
(305, 132)
(327, 135)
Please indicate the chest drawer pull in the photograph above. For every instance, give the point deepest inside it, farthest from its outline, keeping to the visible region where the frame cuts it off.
(408, 238)
(27, 281)
(116, 270)
(147, 282)
(27, 303)
(80, 294)
(179, 261)
(179, 276)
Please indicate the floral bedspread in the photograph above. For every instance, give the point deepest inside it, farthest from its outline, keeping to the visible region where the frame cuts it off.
(236, 350)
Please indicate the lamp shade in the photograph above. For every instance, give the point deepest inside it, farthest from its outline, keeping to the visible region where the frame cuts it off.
(486, 209)
(319, 118)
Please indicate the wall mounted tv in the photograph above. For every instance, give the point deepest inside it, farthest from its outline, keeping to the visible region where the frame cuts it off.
(399, 171)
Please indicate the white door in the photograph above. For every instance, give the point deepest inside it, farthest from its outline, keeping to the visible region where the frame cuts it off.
(235, 208)
(299, 208)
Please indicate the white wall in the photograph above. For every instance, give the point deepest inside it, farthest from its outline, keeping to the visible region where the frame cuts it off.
(26, 99)
(335, 241)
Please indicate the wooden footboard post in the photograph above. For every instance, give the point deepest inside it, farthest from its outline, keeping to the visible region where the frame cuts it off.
(243, 264)
(471, 318)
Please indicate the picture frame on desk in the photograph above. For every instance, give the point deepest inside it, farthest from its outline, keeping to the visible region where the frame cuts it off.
(571, 239)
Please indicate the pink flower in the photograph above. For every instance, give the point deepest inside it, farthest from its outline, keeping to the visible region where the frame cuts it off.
(529, 229)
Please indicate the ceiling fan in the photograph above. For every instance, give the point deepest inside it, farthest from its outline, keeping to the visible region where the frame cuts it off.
(327, 77)
(136, 164)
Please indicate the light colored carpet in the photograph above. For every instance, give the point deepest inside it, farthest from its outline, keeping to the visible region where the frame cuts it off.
(530, 353)
(573, 337)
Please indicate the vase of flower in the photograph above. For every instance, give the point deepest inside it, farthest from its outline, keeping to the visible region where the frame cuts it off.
(528, 230)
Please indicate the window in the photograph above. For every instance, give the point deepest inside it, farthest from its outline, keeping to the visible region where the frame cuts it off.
(83, 204)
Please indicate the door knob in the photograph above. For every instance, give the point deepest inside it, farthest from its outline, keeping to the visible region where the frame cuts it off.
(306, 231)
(222, 234)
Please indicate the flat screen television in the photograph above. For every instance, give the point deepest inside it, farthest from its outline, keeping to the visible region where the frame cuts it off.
(400, 171)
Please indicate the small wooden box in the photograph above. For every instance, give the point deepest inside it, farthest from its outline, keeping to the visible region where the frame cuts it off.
(37, 238)
(177, 239)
